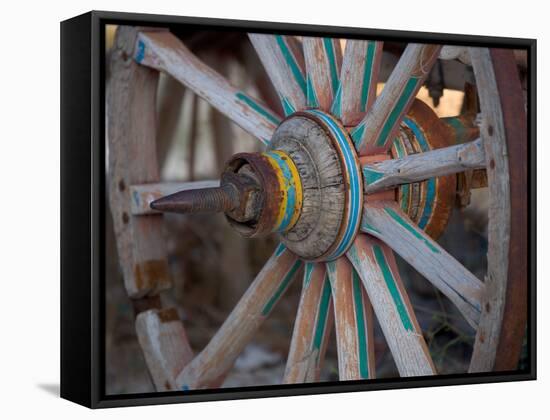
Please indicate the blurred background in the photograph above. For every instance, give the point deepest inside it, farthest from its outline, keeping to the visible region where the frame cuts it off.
(212, 265)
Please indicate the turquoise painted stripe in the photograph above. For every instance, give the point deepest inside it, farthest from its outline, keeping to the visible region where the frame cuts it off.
(290, 191)
(392, 287)
(322, 316)
(307, 274)
(367, 74)
(287, 106)
(354, 212)
(357, 134)
(392, 119)
(370, 175)
(361, 326)
(411, 229)
(292, 63)
(140, 53)
(429, 183)
(281, 289)
(333, 68)
(428, 204)
(336, 107)
(312, 100)
(405, 193)
(258, 108)
(405, 188)
(280, 249)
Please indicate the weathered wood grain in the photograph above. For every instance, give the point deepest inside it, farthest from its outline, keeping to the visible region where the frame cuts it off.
(514, 110)
(386, 221)
(165, 52)
(375, 264)
(323, 57)
(312, 327)
(193, 136)
(419, 167)
(384, 117)
(455, 52)
(219, 355)
(358, 79)
(283, 60)
(165, 346)
(142, 195)
(324, 195)
(353, 322)
(131, 136)
(494, 138)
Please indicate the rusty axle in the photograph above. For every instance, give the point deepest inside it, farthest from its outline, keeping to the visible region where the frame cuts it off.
(204, 200)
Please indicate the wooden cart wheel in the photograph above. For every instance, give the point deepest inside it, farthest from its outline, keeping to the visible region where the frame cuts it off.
(346, 180)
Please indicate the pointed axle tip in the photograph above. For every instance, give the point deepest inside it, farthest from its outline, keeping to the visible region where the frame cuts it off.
(202, 200)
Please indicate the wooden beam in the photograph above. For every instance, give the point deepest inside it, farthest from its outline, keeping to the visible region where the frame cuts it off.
(399, 91)
(131, 136)
(165, 346)
(165, 52)
(386, 221)
(142, 195)
(323, 57)
(353, 321)
(358, 79)
(419, 167)
(283, 60)
(312, 327)
(375, 264)
(254, 307)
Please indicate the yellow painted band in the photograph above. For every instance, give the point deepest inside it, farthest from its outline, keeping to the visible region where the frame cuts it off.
(280, 178)
(294, 181)
(287, 182)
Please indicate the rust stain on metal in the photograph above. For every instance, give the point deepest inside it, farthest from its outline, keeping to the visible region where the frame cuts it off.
(439, 135)
(271, 197)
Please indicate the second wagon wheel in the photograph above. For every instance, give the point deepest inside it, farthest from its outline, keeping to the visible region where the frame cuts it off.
(346, 179)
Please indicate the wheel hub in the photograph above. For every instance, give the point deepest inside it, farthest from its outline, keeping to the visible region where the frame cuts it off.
(312, 185)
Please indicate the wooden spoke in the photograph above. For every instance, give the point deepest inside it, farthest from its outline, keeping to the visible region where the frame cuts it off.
(143, 195)
(323, 57)
(357, 91)
(353, 321)
(386, 221)
(165, 52)
(241, 324)
(418, 167)
(283, 61)
(376, 266)
(384, 117)
(165, 345)
(311, 328)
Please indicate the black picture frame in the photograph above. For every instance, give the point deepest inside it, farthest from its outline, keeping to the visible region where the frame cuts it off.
(83, 215)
